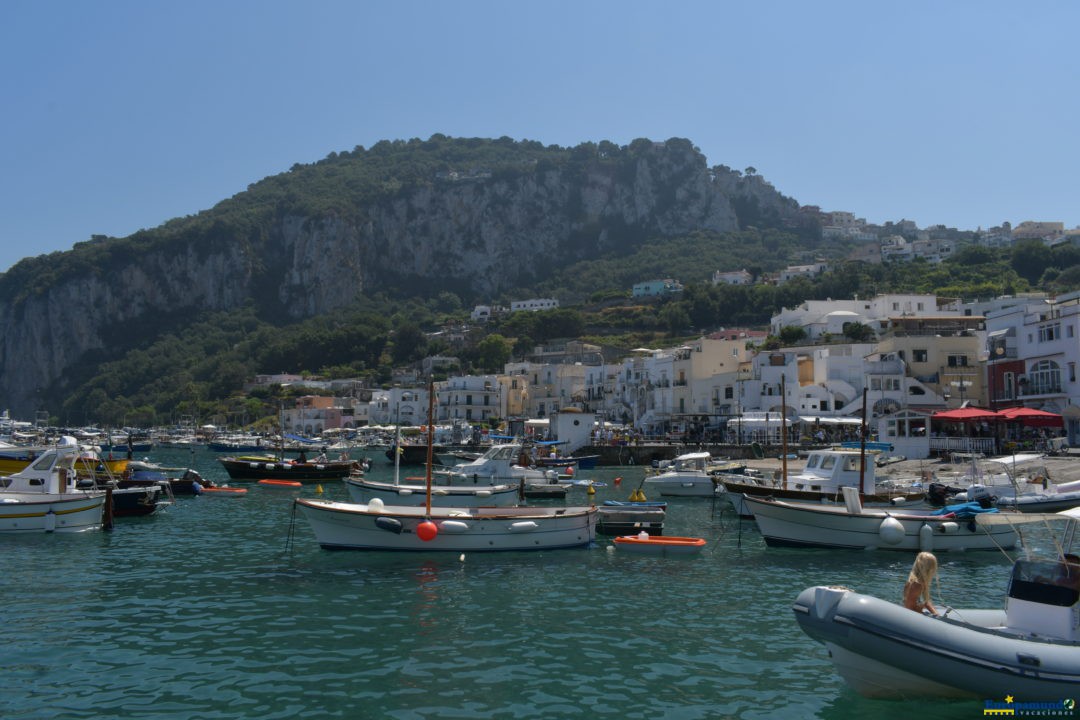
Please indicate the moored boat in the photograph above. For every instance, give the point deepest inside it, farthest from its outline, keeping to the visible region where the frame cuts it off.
(667, 545)
(43, 498)
(363, 490)
(1027, 653)
(826, 472)
(688, 476)
(629, 518)
(258, 467)
(375, 526)
(851, 526)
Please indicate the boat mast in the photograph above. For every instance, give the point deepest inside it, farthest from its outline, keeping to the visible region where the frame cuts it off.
(862, 446)
(783, 428)
(430, 441)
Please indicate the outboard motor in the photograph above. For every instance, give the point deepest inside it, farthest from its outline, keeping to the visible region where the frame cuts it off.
(981, 494)
(938, 494)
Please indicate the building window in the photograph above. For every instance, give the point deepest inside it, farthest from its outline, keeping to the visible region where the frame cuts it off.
(729, 392)
(918, 356)
(1049, 333)
(957, 361)
(1072, 372)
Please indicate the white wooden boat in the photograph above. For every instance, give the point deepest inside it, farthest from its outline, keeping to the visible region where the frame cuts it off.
(852, 526)
(363, 490)
(376, 526)
(429, 528)
(821, 479)
(43, 498)
(1027, 653)
(688, 476)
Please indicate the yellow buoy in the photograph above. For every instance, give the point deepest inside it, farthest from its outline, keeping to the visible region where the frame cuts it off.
(591, 490)
(318, 489)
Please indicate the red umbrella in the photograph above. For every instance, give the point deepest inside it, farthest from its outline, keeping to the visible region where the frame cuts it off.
(966, 414)
(1032, 417)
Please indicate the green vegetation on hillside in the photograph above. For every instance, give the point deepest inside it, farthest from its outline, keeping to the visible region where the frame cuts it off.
(155, 368)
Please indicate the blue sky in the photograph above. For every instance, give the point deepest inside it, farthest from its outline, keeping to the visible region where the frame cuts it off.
(118, 115)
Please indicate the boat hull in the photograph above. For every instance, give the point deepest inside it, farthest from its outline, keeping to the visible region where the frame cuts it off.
(831, 526)
(884, 650)
(734, 492)
(670, 546)
(363, 491)
(351, 526)
(260, 468)
(66, 513)
(629, 520)
(681, 485)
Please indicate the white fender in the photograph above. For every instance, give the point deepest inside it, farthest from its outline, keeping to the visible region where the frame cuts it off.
(404, 491)
(483, 493)
(454, 527)
(891, 531)
(926, 538)
(522, 526)
(375, 505)
(950, 528)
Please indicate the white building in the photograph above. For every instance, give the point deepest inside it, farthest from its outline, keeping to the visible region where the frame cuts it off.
(734, 277)
(534, 304)
(469, 398)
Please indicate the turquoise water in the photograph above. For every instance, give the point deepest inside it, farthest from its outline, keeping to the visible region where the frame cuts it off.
(203, 611)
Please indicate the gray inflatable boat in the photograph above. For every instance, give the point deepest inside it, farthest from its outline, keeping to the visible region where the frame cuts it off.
(1030, 650)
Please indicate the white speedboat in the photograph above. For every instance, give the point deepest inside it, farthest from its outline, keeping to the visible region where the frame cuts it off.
(363, 490)
(43, 498)
(1027, 654)
(687, 476)
(852, 526)
(503, 463)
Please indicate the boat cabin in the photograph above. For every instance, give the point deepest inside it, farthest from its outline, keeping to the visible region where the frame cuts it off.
(827, 471)
(690, 462)
(1043, 597)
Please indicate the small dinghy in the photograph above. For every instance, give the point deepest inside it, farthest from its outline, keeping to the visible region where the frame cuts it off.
(666, 545)
(224, 491)
(269, 482)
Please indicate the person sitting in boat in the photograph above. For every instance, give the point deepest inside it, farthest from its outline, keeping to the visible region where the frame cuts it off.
(321, 457)
(302, 458)
(917, 587)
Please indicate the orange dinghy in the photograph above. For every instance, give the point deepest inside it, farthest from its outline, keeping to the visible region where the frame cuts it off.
(281, 483)
(224, 491)
(646, 544)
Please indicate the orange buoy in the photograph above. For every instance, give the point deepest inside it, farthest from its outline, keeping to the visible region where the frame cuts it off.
(618, 481)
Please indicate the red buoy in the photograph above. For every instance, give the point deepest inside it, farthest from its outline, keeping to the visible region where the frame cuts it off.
(427, 530)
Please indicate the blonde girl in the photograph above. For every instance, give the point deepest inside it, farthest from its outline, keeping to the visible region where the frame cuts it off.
(917, 587)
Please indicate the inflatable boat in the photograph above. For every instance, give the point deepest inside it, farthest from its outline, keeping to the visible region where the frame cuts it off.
(1030, 650)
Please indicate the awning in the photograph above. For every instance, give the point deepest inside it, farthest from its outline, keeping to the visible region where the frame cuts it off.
(1032, 417)
(831, 420)
(966, 414)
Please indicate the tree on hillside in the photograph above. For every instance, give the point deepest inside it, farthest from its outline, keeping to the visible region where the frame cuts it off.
(492, 353)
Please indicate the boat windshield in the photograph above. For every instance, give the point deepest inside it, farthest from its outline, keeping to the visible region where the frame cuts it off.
(1049, 582)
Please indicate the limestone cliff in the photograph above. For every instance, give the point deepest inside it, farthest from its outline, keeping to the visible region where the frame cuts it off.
(483, 230)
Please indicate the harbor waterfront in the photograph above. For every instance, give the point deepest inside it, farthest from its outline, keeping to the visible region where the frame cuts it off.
(227, 608)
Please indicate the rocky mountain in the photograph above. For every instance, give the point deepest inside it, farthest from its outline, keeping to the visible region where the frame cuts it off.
(479, 217)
